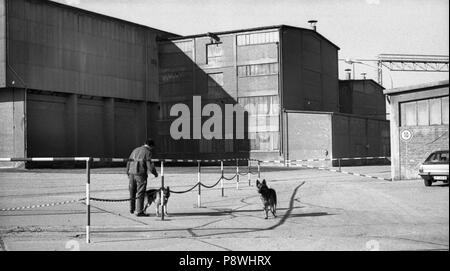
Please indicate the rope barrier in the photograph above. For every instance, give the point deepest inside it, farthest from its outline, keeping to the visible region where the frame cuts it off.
(246, 173)
(40, 205)
(212, 186)
(72, 159)
(229, 179)
(324, 159)
(184, 191)
(343, 172)
(90, 160)
(199, 184)
(111, 200)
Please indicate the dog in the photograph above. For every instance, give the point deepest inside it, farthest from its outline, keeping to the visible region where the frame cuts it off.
(268, 198)
(154, 196)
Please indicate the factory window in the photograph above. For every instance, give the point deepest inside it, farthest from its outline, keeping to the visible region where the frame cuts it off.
(435, 111)
(425, 112)
(214, 53)
(257, 38)
(259, 69)
(263, 122)
(422, 112)
(445, 110)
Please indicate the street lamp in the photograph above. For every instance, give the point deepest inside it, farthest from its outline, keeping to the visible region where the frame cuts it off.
(354, 61)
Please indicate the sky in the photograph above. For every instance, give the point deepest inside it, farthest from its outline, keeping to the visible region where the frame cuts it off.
(362, 29)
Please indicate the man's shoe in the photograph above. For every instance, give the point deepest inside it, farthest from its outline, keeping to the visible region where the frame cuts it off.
(142, 214)
(131, 211)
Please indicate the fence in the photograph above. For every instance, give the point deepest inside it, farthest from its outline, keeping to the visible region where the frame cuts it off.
(88, 160)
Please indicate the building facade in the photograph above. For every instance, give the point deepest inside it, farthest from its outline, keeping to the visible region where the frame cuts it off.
(73, 82)
(77, 83)
(419, 125)
(363, 98)
(268, 69)
(335, 135)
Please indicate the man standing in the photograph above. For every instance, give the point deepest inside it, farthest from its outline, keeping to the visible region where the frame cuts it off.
(137, 168)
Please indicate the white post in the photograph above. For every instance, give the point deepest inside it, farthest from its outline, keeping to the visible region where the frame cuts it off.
(237, 174)
(88, 204)
(199, 199)
(249, 174)
(221, 180)
(259, 171)
(162, 190)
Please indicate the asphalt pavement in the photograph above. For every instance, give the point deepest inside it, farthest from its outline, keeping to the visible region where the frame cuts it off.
(330, 211)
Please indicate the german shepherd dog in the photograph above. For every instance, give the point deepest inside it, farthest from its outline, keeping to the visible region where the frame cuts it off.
(154, 196)
(268, 197)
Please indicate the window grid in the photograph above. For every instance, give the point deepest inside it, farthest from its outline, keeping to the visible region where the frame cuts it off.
(425, 112)
(263, 122)
(258, 69)
(257, 38)
(213, 53)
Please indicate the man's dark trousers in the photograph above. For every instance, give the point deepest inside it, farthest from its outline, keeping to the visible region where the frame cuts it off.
(138, 185)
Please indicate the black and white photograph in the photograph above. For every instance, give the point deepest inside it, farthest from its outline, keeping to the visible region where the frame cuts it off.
(224, 127)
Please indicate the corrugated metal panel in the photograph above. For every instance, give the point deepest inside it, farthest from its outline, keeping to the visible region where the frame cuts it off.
(46, 126)
(90, 128)
(125, 129)
(2, 44)
(52, 38)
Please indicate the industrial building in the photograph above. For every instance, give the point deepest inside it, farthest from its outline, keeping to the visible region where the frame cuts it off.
(77, 83)
(290, 74)
(73, 82)
(419, 125)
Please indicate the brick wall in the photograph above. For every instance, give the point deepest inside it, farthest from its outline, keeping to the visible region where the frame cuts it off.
(424, 140)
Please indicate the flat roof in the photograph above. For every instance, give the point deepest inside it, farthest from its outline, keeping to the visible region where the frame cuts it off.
(363, 80)
(281, 26)
(419, 87)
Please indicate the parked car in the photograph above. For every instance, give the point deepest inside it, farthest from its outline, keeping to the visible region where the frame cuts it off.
(435, 168)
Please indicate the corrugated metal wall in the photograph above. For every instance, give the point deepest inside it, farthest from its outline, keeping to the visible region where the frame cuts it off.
(125, 124)
(355, 136)
(91, 140)
(313, 135)
(47, 125)
(63, 125)
(310, 72)
(57, 48)
(2, 44)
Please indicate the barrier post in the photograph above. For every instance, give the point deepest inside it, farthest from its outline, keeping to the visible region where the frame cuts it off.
(162, 190)
(249, 174)
(221, 180)
(339, 163)
(88, 204)
(259, 171)
(199, 200)
(237, 174)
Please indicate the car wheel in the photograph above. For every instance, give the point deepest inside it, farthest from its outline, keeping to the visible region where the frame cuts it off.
(428, 182)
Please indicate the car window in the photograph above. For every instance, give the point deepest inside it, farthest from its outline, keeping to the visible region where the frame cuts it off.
(438, 157)
(444, 157)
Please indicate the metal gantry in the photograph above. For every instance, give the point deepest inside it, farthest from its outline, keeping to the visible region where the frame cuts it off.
(404, 63)
(411, 63)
